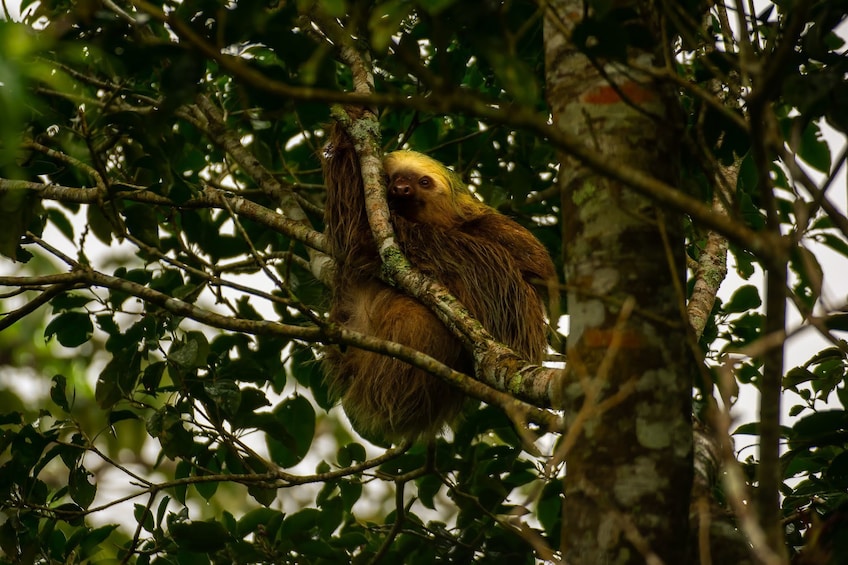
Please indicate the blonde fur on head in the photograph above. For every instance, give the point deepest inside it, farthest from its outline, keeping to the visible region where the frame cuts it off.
(463, 204)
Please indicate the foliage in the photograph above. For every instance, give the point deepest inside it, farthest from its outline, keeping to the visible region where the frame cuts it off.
(162, 194)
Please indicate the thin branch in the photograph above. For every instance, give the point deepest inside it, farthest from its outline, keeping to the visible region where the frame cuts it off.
(99, 181)
(209, 198)
(137, 533)
(211, 279)
(9, 318)
(733, 478)
(274, 479)
(400, 518)
(710, 273)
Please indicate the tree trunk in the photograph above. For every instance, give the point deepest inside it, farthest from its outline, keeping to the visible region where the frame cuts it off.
(630, 470)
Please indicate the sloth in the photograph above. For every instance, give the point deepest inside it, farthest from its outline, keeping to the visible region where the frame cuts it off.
(487, 261)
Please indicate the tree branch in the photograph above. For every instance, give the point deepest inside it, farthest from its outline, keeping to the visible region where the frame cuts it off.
(763, 244)
(81, 274)
(209, 198)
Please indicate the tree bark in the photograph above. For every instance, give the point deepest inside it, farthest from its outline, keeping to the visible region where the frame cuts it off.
(630, 471)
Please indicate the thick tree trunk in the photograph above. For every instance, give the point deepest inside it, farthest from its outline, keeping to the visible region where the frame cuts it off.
(629, 473)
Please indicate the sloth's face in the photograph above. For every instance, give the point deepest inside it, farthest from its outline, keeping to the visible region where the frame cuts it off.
(418, 189)
(420, 198)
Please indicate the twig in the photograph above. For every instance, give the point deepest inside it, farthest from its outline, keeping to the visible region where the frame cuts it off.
(400, 518)
(209, 198)
(9, 318)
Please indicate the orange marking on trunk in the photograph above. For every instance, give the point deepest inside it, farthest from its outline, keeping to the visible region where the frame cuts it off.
(606, 94)
(596, 338)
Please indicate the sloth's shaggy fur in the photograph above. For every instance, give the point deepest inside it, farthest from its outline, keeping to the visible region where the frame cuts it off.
(484, 258)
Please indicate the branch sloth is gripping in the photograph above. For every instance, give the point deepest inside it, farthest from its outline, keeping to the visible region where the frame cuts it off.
(484, 258)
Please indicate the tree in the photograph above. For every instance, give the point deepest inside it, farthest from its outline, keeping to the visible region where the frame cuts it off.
(160, 183)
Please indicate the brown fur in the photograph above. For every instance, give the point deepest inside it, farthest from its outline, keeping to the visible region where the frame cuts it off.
(485, 259)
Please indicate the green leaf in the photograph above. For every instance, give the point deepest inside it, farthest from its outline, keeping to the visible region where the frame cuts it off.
(163, 507)
(332, 514)
(82, 492)
(749, 372)
(299, 524)
(71, 508)
(304, 367)
(259, 518)
(800, 462)
(744, 264)
(827, 354)
(251, 399)
(191, 352)
(350, 453)
(152, 376)
(810, 275)
(405, 463)
(90, 544)
(69, 454)
(62, 223)
(296, 417)
(837, 472)
(814, 149)
(99, 224)
(141, 222)
(121, 415)
(225, 394)
(140, 276)
(206, 489)
(206, 462)
(182, 471)
(201, 537)
(118, 378)
(58, 394)
(167, 426)
(70, 328)
(797, 376)
(827, 427)
(329, 490)
(550, 508)
(836, 243)
(167, 281)
(307, 370)
(69, 301)
(797, 409)
(350, 492)
(17, 209)
(263, 495)
(144, 516)
(428, 488)
(351, 541)
(751, 428)
(837, 322)
(746, 298)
